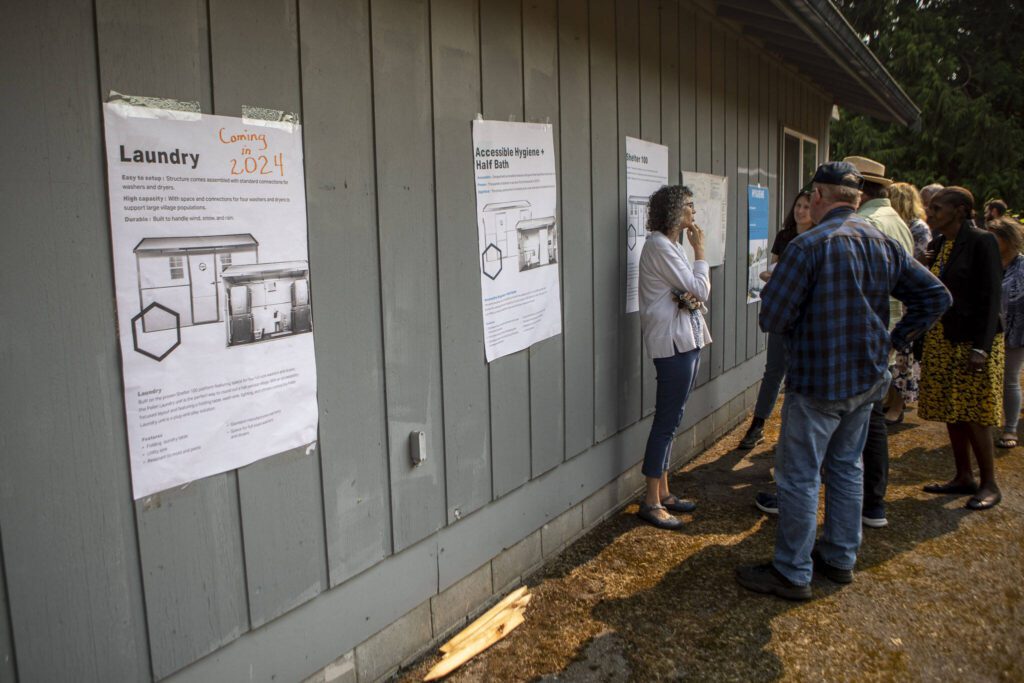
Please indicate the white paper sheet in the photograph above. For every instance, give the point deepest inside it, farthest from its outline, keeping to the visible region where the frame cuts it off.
(208, 220)
(646, 171)
(518, 236)
(710, 196)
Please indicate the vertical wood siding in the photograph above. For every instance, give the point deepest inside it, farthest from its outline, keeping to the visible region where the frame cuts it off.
(99, 588)
(455, 58)
(341, 187)
(577, 238)
(627, 58)
(541, 102)
(501, 61)
(74, 588)
(650, 129)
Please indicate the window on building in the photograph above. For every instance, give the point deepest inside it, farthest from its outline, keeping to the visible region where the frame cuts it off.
(225, 261)
(799, 161)
(177, 267)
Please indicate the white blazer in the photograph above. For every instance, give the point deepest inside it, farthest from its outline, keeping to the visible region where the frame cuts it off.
(666, 327)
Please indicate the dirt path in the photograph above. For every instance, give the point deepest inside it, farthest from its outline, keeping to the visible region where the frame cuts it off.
(939, 594)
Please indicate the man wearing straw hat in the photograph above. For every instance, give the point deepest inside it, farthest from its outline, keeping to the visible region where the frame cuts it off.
(875, 205)
(877, 210)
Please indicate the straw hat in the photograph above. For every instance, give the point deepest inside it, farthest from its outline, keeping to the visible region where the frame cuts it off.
(872, 171)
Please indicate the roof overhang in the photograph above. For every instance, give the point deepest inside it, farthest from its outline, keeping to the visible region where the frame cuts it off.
(814, 37)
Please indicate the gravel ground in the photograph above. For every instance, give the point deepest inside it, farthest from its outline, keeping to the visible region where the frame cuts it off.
(938, 594)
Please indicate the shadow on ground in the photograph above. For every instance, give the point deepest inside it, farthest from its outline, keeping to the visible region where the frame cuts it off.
(938, 593)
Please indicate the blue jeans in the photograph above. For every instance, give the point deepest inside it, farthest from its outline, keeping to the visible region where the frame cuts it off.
(774, 373)
(816, 431)
(1011, 389)
(676, 377)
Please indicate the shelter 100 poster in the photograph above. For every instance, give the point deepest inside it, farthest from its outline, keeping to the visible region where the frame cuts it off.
(518, 234)
(646, 172)
(208, 220)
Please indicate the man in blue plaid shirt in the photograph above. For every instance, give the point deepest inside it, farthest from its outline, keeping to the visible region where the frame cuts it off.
(829, 296)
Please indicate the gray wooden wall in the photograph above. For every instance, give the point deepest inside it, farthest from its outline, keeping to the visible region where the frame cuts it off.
(262, 561)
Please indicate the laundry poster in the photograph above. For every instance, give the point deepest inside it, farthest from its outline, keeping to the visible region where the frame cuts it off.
(757, 240)
(646, 172)
(211, 268)
(710, 199)
(516, 202)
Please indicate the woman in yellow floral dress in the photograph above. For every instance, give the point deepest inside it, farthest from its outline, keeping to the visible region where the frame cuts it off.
(962, 367)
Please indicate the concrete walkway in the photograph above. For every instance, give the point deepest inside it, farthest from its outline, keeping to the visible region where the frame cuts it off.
(939, 594)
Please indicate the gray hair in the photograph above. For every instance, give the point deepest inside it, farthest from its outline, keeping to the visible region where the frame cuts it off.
(929, 191)
(838, 193)
(665, 209)
(1009, 230)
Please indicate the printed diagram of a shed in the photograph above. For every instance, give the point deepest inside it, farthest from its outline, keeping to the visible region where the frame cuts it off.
(511, 227)
(267, 301)
(638, 210)
(183, 274)
(218, 278)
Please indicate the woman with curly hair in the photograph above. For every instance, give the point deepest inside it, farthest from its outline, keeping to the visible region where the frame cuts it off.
(962, 367)
(672, 293)
(906, 369)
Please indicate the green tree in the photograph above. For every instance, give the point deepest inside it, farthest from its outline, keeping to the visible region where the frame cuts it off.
(962, 63)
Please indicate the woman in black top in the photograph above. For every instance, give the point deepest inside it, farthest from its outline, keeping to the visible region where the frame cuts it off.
(798, 220)
(962, 367)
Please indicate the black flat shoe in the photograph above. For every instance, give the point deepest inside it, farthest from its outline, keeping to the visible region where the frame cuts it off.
(984, 503)
(952, 489)
(897, 420)
(754, 436)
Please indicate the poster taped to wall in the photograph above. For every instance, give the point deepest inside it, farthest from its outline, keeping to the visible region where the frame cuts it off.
(710, 196)
(208, 225)
(757, 240)
(646, 171)
(518, 234)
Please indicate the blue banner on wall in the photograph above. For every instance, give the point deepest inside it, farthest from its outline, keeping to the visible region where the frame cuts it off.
(757, 235)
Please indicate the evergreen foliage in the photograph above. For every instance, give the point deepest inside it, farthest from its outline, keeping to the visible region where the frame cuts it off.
(962, 63)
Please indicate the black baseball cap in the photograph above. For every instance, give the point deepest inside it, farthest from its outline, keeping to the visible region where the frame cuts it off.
(839, 173)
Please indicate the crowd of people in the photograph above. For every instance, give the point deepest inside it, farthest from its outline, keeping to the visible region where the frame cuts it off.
(878, 297)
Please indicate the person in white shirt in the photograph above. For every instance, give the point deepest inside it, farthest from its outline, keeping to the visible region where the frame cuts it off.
(672, 303)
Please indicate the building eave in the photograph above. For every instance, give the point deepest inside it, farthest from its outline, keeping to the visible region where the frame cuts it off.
(815, 38)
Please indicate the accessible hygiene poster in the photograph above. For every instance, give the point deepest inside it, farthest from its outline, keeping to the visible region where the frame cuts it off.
(208, 224)
(710, 196)
(646, 172)
(516, 203)
(757, 240)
